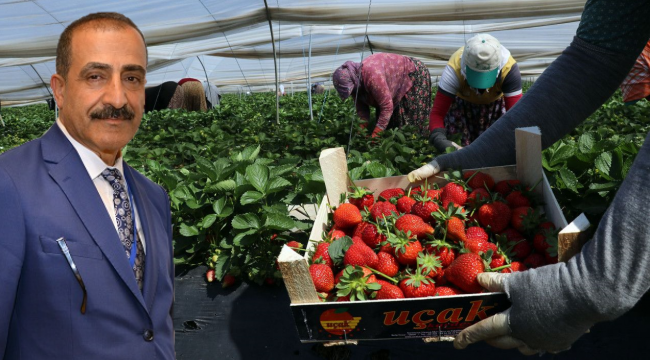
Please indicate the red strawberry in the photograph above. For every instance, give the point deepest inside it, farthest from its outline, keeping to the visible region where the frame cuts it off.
(388, 291)
(456, 230)
(404, 204)
(496, 215)
(524, 219)
(372, 237)
(434, 194)
(387, 264)
(517, 199)
(504, 187)
(447, 291)
(521, 249)
(476, 245)
(413, 224)
(424, 209)
(209, 275)
(544, 239)
(463, 271)
(417, 285)
(360, 254)
(512, 235)
(443, 251)
(381, 209)
(227, 281)
(391, 193)
(294, 245)
(346, 216)
(534, 261)
(358, 230)
(336, 234)
(498, 260)
(476, 232)
(406, 249)
(322, 276)
(428, 264)
(479, 180)
(322, 252)
(453, 193)
(515, 266)
(361, 198)
(478, 197)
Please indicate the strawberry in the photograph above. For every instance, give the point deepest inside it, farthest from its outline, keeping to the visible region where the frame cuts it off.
(534, 260)
(495, 215)
(434, 194)
(424, 209)
(524, 219)
(388, 291)
(209, 275)
(521, 249)
(453, 193)
(476, 245)
(413, 224)
(515, 266)
(417, 285)
(360, 254)
(447, 291)
(372, 236)
(322, 252)
(498, 260)
(294, 245)
(406, 249)
(476, 232)
(463, 271)
(387, 264)
(512, 235)
(517, 199)
(453, 218)
(336, 234)
(361, 198)
(544, 239)
(444, 251)
(504, 187)
(356, 283)
(478, 197)
(391, 193)
(382, 209)
(322, 276)
(228, 281)
(404, 204)
(428, 264)
(456, 230)
(346, 216)
(478, 180)
(358, 230)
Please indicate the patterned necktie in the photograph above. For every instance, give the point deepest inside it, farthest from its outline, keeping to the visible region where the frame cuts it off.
(124, 219)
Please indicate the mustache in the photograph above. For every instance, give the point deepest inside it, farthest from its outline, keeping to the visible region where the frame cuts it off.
(110, 112)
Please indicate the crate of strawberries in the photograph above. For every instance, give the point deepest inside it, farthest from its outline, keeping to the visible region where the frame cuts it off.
(391, 260)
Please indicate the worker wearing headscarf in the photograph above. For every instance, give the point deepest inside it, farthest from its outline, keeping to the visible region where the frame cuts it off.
(398, 86)
(479, 84)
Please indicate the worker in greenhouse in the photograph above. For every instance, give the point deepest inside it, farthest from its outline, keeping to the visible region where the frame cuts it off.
(554, 305)
(398, 86)
(636, 85)
(195, 99)
(479, 84)
(167, 95)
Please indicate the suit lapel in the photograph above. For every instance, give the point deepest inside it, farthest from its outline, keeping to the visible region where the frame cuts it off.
(146, 212)
(68, 171)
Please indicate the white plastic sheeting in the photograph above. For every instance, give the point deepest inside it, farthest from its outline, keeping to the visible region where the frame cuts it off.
(232, 38)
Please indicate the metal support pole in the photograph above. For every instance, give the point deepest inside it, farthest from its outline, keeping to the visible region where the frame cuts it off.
(311, 113)
(275, 63)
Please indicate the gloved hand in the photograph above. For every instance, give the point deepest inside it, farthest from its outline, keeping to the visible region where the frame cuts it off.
(438, 138)
(494, 330)
(424, 172)
(376, 132)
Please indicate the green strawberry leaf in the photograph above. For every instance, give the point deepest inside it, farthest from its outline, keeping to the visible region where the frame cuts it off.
(246, 221)
(338, 248)
(279, 222)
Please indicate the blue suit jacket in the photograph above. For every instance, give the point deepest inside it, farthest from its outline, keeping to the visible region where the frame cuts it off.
(46, 193)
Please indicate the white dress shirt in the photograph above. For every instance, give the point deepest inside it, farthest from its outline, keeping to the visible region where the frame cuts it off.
(95, 166)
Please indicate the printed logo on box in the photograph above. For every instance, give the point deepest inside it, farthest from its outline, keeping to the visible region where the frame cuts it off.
(338, 321)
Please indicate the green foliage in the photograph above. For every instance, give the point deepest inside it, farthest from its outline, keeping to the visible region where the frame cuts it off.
(23, 124)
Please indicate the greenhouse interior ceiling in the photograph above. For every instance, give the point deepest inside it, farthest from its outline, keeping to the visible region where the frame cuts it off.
(239, 45)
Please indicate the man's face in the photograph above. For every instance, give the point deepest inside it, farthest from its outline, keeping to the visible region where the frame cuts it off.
(102, 99)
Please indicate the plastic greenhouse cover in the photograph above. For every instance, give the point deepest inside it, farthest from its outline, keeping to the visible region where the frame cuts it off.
(228, 42)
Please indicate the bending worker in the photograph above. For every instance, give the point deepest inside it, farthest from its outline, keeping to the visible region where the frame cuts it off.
(478, 85)
(398, 86)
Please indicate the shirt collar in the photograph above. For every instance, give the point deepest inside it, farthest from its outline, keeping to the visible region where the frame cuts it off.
(92, 162)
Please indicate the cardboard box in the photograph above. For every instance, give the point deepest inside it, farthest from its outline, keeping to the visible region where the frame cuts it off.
(434, 318)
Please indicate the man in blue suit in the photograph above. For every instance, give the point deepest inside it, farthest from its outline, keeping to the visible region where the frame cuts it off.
(86, 260)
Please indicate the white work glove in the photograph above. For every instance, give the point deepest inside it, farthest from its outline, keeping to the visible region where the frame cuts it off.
(458, 147)
(424, 172)
(494, 330)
